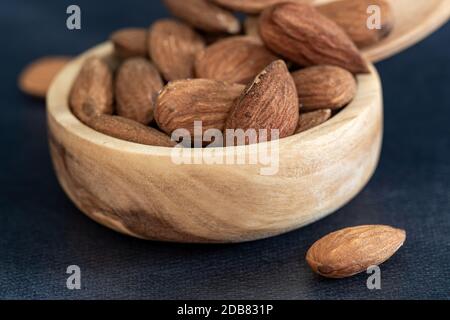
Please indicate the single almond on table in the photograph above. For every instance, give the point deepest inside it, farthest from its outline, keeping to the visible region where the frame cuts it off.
(204, 15)
(300, 33)
(235, 59)
(352, 16)
(185, 101)
(251, 6)
(137, 85)
(352, 250)
(129, 130)
(92, 91)
(173, 46)
(312, 119)
(130, 42)
(269, 102)
(36, 78)
(324, 87)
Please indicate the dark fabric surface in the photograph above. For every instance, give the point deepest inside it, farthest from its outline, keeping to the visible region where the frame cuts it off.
(41, 232)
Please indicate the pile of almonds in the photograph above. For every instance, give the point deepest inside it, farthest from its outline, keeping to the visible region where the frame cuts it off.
(291, 68)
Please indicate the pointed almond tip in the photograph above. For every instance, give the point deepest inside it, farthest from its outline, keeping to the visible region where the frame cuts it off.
(277, 64)
(402, 234)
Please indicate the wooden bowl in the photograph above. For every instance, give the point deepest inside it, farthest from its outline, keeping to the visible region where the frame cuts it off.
(138, 190)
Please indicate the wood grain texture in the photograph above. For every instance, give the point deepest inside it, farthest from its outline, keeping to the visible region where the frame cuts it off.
(138, 190)
(414, 21)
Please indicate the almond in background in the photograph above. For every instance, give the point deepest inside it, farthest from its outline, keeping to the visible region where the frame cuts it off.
(137, 85)
(324, 87)
(204, 15)
(269, 102)
(352, 16)
(350, 251)
(251, 27)
(251, 6)
(312, 119)
(173, 46)
(36, 78)
(182, 102)
(130, 42)
(92, 91)
(235, 59)
(301, 34)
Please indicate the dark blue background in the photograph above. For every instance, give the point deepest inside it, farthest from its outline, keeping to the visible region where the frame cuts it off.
(41, 232)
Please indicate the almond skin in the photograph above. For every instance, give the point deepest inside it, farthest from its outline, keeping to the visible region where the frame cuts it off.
(301, 34)
(324, 87)
(250, 6)
(351, 15)
(352, 250)
(251, 27)
(269, 102)
(137, 85)
(204, 15)
(36, 78)
(236, 60)
(312, 119)
(130, 42)
(129, 130)
(173, 46)
(185, 101)
(92, 91)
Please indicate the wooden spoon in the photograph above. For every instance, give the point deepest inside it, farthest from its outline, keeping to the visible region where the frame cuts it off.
(414, 21)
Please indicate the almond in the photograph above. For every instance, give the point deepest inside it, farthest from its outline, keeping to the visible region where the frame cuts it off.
(300, 33)
(269, 102)
(250, 6)
(235, 59)
(312, 119)
(352, 250)
(352, 16)
(36, 78)
(130, 42)
(185, 101)
(137, 85)
(324, 87)
(173, 47)
(92, 91)
(251, 27)
(204, 15)
(129, 130)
